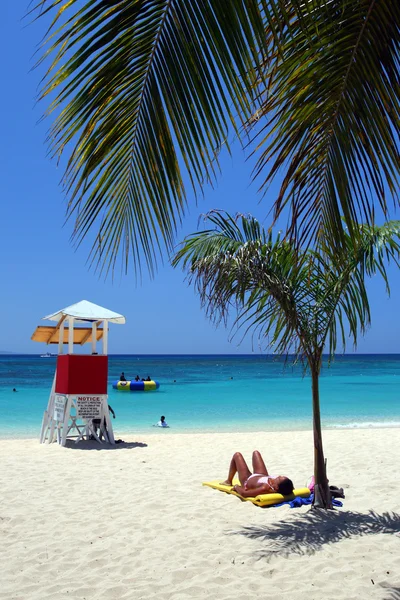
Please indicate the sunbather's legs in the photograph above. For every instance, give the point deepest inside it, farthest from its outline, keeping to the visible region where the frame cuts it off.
(258, 464)
(238, 465)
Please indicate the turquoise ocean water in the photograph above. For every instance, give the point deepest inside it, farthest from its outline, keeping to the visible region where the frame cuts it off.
(216, 393)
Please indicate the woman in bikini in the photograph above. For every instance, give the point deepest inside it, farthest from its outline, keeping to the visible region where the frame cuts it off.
(258, 482)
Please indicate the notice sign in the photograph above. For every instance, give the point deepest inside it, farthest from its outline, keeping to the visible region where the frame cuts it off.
(89, 407)
(59, 408)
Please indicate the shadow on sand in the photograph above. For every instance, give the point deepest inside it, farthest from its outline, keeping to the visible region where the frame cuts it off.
(93, 445)
(307, 533)
(391, 593)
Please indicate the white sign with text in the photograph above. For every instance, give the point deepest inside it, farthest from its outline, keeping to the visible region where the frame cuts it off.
(89, 407)
(59, 408)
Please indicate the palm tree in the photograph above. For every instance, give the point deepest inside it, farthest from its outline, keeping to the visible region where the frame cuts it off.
(146, 92)
(302, 301)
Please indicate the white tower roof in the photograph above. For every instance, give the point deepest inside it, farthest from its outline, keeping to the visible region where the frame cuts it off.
(87, 311)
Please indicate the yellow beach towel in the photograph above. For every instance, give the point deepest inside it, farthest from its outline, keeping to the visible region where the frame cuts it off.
(263, 499)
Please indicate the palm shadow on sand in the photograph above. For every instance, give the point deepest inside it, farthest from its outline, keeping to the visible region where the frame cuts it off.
(307, 533)
(93, 445)
(391, 593)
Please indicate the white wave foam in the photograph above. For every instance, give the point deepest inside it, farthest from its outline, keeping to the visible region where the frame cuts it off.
(366, 425)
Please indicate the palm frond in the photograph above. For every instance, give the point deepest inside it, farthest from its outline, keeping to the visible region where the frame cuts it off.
(345, 273)
(144, 94)
(301, 301)
(333, 113)
(260, 277)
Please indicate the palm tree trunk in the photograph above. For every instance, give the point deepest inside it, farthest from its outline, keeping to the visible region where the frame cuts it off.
(322, 495)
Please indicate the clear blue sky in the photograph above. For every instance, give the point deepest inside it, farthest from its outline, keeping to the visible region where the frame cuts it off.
(40, 271)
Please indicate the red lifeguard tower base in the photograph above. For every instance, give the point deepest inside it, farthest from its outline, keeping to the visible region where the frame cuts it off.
(80, 374)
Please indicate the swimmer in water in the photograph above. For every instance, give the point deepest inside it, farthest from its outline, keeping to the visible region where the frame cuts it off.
(161, 423)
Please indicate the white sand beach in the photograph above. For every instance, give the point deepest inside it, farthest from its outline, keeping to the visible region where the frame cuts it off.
(135, 522)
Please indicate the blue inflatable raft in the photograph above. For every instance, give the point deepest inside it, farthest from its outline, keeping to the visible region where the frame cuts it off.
(136, 386)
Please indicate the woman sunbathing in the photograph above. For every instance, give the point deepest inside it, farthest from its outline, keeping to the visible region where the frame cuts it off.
(258, 482)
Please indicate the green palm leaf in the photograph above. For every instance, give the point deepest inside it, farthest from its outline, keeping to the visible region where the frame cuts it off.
(145, 92)
(333, 109)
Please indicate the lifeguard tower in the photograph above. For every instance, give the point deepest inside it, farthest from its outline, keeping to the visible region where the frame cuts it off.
(79, 392)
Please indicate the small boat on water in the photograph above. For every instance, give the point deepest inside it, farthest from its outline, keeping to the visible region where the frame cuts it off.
(48, 355)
